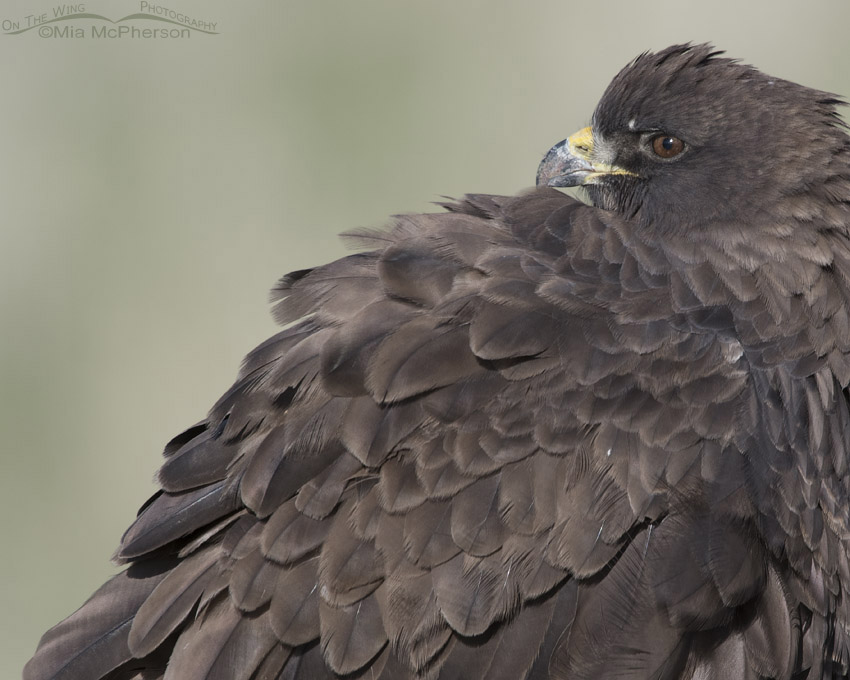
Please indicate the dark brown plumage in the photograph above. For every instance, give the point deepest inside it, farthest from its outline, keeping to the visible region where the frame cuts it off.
(529, 438)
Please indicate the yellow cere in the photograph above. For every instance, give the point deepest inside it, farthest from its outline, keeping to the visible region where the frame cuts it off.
(581, 143)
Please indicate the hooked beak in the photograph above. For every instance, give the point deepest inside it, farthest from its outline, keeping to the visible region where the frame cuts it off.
(570, 163)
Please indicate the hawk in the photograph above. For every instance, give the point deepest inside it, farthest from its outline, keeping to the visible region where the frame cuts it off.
(529, 437)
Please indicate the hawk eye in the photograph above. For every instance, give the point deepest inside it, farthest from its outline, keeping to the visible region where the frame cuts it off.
(667, 146)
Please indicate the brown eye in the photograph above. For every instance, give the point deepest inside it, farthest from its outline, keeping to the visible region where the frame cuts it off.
(667, 146)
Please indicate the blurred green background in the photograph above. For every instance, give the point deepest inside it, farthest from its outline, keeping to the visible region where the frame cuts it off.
(154, 190)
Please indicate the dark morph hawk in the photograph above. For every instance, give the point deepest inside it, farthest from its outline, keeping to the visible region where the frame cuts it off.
(531, 438)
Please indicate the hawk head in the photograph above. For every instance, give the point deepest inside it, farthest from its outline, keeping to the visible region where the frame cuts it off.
(683, 138)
